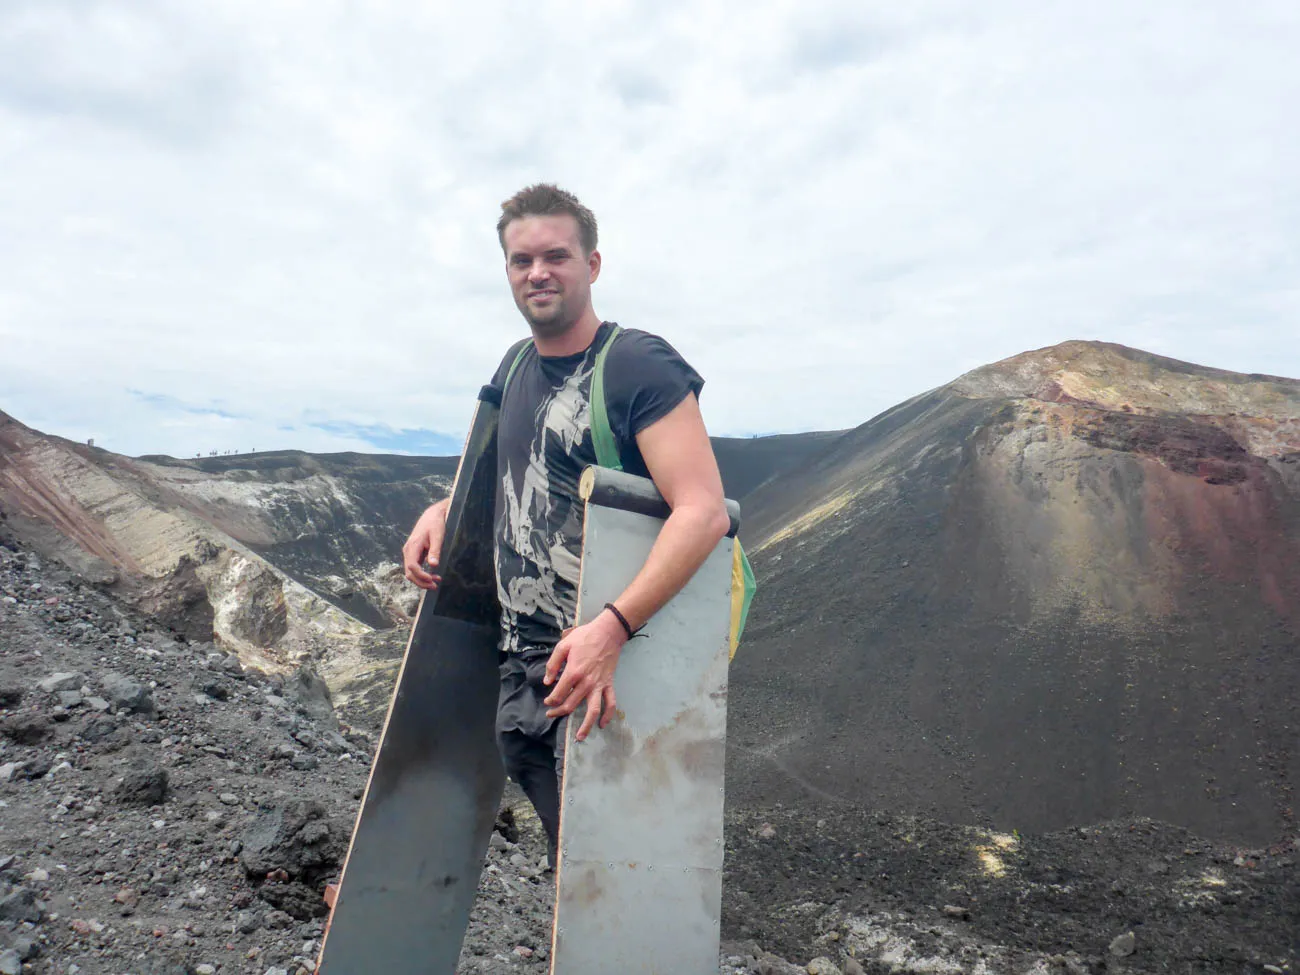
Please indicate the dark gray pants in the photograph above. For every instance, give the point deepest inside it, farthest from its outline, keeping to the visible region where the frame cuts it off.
(532, 745)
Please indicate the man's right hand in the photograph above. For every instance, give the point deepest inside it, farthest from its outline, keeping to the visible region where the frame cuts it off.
(425, 545)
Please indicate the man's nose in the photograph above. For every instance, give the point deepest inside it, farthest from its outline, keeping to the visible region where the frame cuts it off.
(538, 271)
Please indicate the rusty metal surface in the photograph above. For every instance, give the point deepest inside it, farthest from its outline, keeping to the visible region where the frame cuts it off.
(641, 843)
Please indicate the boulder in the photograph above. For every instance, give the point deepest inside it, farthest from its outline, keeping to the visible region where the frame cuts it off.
(295, 837)
(127, 695)
(66, 681)
(143, 786)
(26, 729)
(21, 905)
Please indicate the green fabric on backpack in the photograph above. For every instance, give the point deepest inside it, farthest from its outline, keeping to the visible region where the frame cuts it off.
(743, 585)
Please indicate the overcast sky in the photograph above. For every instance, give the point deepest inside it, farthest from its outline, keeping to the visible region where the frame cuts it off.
(236, 225)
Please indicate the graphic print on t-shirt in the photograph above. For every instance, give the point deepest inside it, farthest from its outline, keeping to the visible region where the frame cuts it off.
(543, 445)
(538, 542)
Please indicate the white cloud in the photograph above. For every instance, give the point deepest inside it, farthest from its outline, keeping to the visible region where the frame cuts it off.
(285, 211)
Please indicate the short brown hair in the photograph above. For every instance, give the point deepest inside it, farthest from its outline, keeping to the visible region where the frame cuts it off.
(545, 199)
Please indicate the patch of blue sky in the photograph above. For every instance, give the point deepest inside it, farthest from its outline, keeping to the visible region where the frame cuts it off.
(162, 401)
(418, 442)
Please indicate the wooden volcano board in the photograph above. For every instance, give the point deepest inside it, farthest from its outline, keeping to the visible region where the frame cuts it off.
(422, 833)
(641, 844)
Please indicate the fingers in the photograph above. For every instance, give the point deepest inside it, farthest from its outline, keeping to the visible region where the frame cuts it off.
(421, 578)
(611, 707)
(553, 665)
(416, 574)
(568, 693)
(417, 547)
(594, 703)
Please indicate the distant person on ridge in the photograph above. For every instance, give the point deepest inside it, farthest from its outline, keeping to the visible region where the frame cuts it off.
(544, 443)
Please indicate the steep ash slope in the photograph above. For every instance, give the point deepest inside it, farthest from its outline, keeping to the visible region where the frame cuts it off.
(748, 463)
(1064, 588)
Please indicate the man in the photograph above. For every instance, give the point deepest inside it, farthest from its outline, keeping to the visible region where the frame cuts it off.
(544, 443)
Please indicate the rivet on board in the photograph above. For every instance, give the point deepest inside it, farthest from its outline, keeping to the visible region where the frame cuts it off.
(611, 864)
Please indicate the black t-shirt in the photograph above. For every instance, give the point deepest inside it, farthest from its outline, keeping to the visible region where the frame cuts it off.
(544, 444)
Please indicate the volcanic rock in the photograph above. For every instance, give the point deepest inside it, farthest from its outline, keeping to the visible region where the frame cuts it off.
(1124, 945)
(25, 729)
(127, 695)
(311, 694)
(144, 786)
(296, 900)
(21, 905)
(295, 837)
(61, 682)
(98, 728)
(180, 602)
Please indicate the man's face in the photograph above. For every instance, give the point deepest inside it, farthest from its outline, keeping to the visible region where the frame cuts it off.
(549, 275)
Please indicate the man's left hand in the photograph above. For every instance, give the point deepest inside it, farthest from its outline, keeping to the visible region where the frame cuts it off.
(588, 655)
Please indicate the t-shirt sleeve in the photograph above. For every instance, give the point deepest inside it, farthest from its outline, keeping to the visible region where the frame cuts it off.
(645, 380)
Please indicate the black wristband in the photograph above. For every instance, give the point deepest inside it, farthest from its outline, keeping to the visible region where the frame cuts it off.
(622, 619)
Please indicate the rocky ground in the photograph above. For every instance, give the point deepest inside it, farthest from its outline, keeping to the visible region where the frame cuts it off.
(164, 811)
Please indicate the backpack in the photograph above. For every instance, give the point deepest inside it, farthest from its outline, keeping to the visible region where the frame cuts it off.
(743, 585)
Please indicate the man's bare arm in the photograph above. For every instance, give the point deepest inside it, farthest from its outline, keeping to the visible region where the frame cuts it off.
(425, 544)
(680, 459)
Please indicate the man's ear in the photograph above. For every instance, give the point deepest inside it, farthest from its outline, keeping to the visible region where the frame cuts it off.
(593, 266)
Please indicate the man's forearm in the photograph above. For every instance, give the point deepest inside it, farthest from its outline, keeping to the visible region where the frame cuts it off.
(688, 535)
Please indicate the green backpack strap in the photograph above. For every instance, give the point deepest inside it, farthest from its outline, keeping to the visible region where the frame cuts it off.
(602, 436)
(524, 346)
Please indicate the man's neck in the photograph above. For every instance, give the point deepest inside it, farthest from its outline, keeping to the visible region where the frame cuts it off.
(576, 339)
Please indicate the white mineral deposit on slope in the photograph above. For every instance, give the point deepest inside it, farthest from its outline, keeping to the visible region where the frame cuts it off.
(219, 496)
(349, 672)
(214, 488)
(993, 854)
(311, 620)
(892, 940)
(389, 582)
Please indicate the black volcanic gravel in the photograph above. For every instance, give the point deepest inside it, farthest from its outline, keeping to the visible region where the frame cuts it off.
(166, 811)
